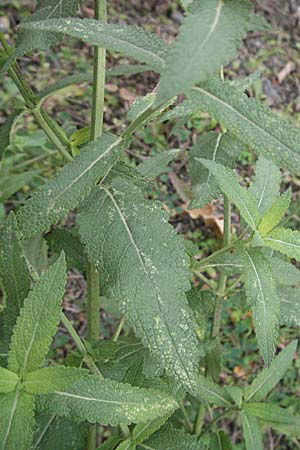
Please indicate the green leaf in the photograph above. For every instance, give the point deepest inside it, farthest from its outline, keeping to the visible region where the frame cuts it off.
(131, 41)
(53, 433)
(285, 273)
(14, 275)
(16, 412)
(5, 132)
(210, 392)
(266, 184)
(241, 197)
(36, 253)
(11, 184)
(133, 232)
(275, 213)
(143, 431)
(289, 306)
(108, 402)
(172, 439)
(220, 441)
(28, 39)
(262, 295)
(269, 378)
(253, 123)
(69, 186)
(220, 148)
(67, 241)
(126, 445)
(50, 379)
(157, 164)
(285, 241)
(110, 443)
(209, 36)
(252, 433)
(8, 380)
(235, 393)
(270, 413)
(38, 321)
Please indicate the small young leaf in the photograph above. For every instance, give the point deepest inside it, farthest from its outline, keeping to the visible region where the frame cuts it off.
(210, 392)
(172, 439)
(252, 123)
(266, 183)
(108, 402)
(235, 393)
(38, 321)
(8, 380)
(241, 197)
(53, 433)
(69, 186)
(133, 232)
(252, 433)
(209, 36)
(15, 277)
(16, 413)
(50, 379)
(220, 148)
(275, 213)
(36, 253)
(157, 164)
(131, 41)
(262, 295)
(269, 378)
(289, 306)
(285, 241)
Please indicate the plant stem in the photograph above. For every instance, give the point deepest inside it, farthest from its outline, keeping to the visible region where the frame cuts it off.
(93, 284)
(199, 419)
(119, 329)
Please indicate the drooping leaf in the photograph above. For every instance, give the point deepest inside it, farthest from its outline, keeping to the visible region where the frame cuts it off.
(50, 379)
(38, 321)
(285, 273)
(275, 213)
(252, 122)
(69, 186)
(211, 392)
(153, 297)
(285, 241)
(5, 132)
(209, 36)
(28, 39)
(266, 183)
(67, 241)
(8, 380)
(131, 41)
(52, 432)
(16, 414)
(252, 432)
(262, 295)
(157, 164)
(220, 148)
(36, 253)
(289, 306)
(108, 402)
(14, 275)
(229, 184)
(172, 439)
(269, 377)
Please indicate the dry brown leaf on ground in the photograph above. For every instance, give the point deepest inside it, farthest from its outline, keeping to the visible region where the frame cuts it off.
(285, 72)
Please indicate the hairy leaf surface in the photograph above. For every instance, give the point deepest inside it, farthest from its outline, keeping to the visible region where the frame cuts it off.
(266, 183)
(157, 164)
(16, 413)
(229, 184)
(14, 275)
(8, 380)
(275, 213)
(262, 295)
(253, 123)
(289, 306)
(208, 39)
(133, 236)
(5, 132)
(211, 392)
(220, 148)
(108, 402)
(49, 379)
(131, 41)
(67, 241)
(69, 186)
(269, 378)
(252, 433)
(172, 439)
(270, 413)
(285, 241)
(38, 320)
(285, 273)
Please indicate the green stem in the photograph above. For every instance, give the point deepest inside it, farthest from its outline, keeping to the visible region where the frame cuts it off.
(219, 417)
(199, 419)
(93, 284)
(119, 329)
